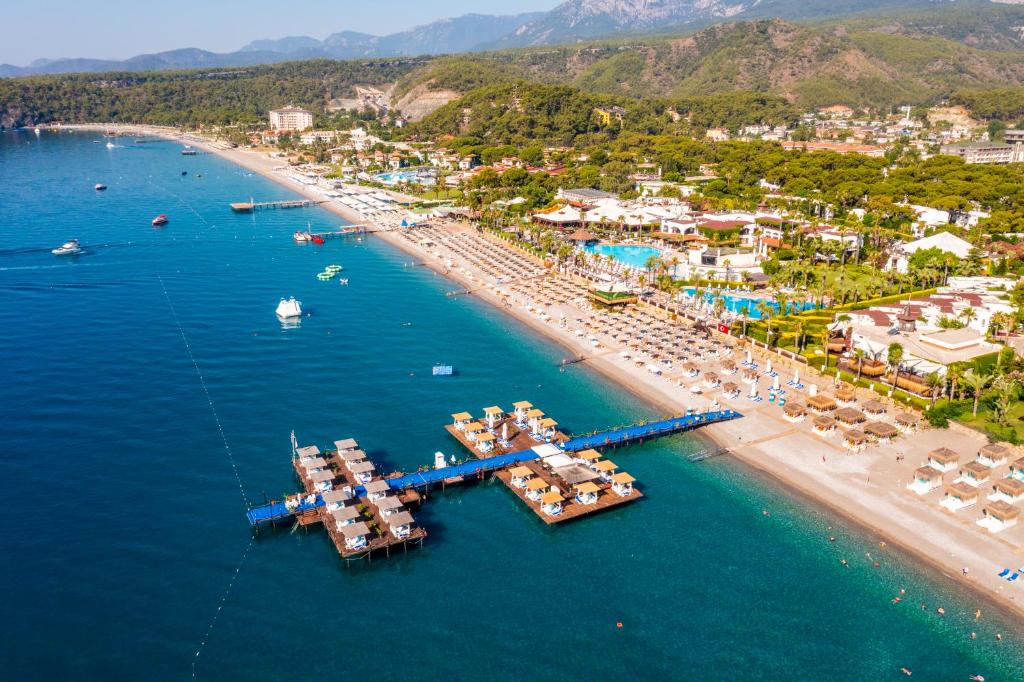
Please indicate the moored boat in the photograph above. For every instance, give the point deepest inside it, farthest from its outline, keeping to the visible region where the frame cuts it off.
(316, 239)
(288, 309)
(302, 236)
(68, 248)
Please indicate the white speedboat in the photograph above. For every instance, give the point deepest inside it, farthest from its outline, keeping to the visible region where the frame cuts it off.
(68, 248)
(289, 309)
(110, 145)
(100, 187)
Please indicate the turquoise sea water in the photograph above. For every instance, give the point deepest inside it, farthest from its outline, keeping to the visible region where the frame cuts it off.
(126, 473)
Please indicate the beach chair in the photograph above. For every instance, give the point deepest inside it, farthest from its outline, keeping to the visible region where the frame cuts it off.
(1013, 577)
(1003, 573)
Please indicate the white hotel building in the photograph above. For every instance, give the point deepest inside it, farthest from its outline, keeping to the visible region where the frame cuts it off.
(291, 118)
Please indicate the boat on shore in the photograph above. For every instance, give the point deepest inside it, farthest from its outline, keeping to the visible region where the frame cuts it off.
(161, 219)
(69, 248)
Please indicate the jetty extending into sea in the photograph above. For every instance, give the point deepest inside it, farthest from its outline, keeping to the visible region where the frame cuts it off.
(250, 206)
(559, 477)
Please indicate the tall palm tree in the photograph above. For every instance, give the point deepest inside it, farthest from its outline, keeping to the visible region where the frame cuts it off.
(977, 383)
(826, 336)
(953, 375)
(859, 354)
(968, 314)
(935, 384)
(895, 357)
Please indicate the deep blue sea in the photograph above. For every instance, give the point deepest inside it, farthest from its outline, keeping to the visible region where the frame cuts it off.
(147, 393)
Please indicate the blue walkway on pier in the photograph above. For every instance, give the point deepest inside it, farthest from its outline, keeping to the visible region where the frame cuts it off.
(622, 436)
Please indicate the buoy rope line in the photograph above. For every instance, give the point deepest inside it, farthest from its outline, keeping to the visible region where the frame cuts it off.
(220, 606)
(234, 467)
(206, 391)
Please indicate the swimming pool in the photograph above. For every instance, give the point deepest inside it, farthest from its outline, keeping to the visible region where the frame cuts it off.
(633, 256)
(395, 177)
(747, 305)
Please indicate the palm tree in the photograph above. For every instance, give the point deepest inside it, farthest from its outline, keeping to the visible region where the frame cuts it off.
(977, 383)
(953, 374)
(859, 354)
(651, 264)
(935, 384)
(967, 315)
(719, 307)
(826, 336)
(895, 357)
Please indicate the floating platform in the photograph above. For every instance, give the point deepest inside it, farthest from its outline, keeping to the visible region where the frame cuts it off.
(560, 478)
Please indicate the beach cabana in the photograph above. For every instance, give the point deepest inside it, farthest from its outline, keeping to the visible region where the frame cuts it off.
(345, 444)
(520, 475)
(400, 524)
(730, 390)
(855, 440)
(313, 464)
(998, 516)
(1017, 469)
(993, 455)
(350, 457)
(975, 473)
(546, 428)
(748, 376)
(308, 452)
(520, 409)
(551, 503)
(586, 493)
(849, 416)
(821, 404)
(943, 459)
(587, 457)
(492, 415)
(729, 367)
(356, 535)
(926, 479)
(1009, 490)
(323, 480)
(824, 425)
(959, 496)
(377, 489)
(484, 440)
(874, 408)
(533, 418)
(622, 484)
(473, 427)
(845, 395)
(345, 516)
(711, 380)
(535, 487)
(882, 432)
(794, 412)
(606, 469)
(906, 422)
(363, 471)
(388, 506)
(335, 499)
(461, 420)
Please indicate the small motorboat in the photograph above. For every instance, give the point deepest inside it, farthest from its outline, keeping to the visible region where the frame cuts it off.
(188, 151)
(184, 173)
(302, 237)
(110, 145)
(288, 309)
(100, 187)
(68, 248)
(38, 130)
(316, 239)
(161, 219)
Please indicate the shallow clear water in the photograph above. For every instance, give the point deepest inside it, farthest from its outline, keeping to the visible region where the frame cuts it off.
(126, 472)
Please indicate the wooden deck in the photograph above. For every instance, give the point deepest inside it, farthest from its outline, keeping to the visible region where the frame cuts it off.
(570, 508)
(519, 440)
(385, 540)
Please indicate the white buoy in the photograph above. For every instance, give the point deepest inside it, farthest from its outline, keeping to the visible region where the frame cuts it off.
(753, 390)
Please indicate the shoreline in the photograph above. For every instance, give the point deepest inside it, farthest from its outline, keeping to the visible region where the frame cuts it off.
(856, 503)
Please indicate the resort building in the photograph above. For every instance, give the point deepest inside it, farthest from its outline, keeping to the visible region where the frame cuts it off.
(943, 241)
(993, 455)
(943, 459)
(975, 474)
(291, 118)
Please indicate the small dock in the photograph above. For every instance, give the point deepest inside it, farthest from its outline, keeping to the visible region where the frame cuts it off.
(250, 206)
(558, 477)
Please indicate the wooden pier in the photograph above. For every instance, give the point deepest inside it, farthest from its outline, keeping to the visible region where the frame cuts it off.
(250, 206)
(559, 478)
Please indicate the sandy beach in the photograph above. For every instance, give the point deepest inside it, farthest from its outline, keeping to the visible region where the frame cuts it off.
(868, 487)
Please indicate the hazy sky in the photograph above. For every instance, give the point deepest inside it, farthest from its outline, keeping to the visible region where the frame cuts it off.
(116, 29)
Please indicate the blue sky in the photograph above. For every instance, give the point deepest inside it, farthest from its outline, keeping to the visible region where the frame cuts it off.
(115, 29)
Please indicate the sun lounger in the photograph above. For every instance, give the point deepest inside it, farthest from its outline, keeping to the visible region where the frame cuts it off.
(1013, 577)
(1003, 573)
